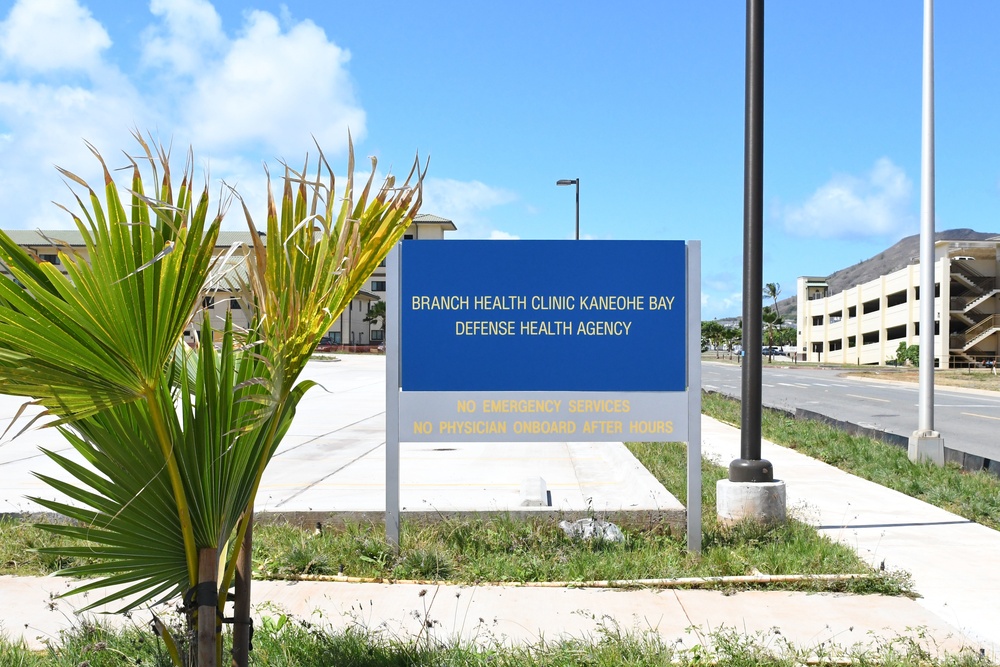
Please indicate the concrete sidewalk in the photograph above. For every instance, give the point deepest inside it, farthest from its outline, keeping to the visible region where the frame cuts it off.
(507, 615)
(332, 461)
(952, 560)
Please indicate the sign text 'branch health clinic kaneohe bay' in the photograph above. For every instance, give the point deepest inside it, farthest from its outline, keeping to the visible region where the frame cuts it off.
(543, 340)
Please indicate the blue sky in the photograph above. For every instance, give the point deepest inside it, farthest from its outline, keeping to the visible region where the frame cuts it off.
(643, 101)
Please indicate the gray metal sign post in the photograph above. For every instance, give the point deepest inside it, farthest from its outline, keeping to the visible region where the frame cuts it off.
(694, 396)
(393, 310)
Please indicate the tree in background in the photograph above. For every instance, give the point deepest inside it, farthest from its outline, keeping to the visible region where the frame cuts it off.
(731, 337)
(711, 335)
(376, 314)
(772, 321)
(175, 441)
(785, 336)
(771, 291)
(907, 354)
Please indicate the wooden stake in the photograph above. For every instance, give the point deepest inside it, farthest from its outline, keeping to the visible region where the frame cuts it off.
(241, 606)
(208, 572)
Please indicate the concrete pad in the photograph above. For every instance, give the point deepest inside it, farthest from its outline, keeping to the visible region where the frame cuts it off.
(331, 465)
(763, 502)
(926, 446)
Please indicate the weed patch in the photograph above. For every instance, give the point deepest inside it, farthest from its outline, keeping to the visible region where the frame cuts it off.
(282, 641)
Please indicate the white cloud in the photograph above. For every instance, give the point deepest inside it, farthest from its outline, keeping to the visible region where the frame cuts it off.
(850, 207)
(497, 235)
(722, 293)
(48, 35)
(46, 126)
(190, 33)
(466, 203)
(724, 304)
(258, 93)
(273, 88)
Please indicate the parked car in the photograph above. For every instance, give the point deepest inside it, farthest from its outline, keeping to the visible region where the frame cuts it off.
(325, 344)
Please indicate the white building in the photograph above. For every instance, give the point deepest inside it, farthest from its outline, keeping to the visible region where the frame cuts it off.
(349, 329)
(866, 323)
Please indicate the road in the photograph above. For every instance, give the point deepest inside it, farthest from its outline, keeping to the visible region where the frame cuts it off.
(967, 420)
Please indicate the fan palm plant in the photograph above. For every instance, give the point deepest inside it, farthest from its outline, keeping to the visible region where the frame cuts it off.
(772, 320)
(175, 441)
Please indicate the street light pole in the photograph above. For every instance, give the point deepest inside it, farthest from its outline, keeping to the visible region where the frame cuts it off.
(925, 442)
(750, 467)
(751, 492)
(576, 182)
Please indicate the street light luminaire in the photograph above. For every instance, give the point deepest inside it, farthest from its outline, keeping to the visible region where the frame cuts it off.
(576, 182)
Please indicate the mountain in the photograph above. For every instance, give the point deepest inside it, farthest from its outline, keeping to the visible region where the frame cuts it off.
(905, 252)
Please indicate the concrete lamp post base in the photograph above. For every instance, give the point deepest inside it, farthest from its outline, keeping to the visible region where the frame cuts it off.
(763, 502)
(926, 446)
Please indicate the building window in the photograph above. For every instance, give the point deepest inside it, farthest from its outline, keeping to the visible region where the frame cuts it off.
(51, 259)
(836, 345)
(336, 337)
(895, 333)
(408, 237)
(208, 302)
(869, 338)
(852, 312)
(378, 285)
(937, 291)
(817, 320)
(234, 304)
(378, 335)
(895, 299)
(836, 317)
(852, 341)
(870, 306)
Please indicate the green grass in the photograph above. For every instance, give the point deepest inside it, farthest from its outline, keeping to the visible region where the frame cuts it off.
(973, 495)
(504, 549)
(19, 542)
(280, 641)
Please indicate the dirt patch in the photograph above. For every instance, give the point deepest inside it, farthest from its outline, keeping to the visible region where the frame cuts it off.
(975, 378)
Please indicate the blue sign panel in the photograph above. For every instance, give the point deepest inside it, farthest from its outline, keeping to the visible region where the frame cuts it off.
(543, 316)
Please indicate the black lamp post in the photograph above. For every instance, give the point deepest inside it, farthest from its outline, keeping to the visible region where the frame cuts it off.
(750, 467)
(576, 182)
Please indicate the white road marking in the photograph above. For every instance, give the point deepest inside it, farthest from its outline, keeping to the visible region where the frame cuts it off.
(870, 398)
(973, 414)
